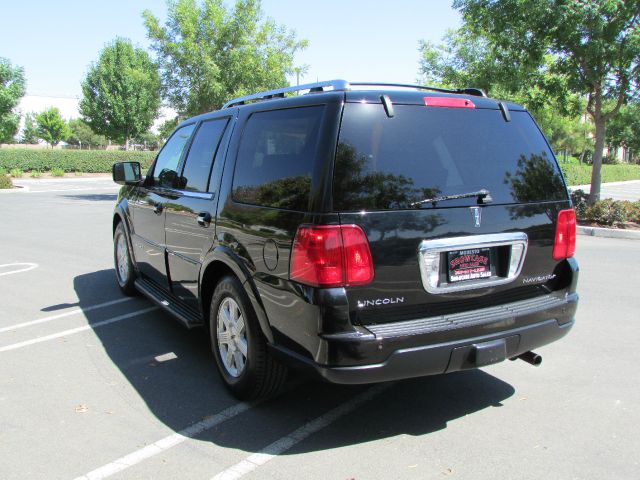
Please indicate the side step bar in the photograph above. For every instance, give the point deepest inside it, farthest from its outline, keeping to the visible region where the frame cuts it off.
(186, 316)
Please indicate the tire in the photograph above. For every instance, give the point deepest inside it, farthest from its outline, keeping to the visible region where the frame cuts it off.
(238, 345)
(125, 274)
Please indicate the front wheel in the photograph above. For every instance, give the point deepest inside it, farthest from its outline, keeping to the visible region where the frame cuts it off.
(123, 264)
(239, 346)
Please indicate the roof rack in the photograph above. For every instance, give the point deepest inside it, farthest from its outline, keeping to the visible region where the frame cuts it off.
(342, 85)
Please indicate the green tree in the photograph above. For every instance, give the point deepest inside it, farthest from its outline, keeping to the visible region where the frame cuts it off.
(209, 54)
(624, 129)
(12, 89)
(167, 127)
(595, 45)
(29, 131)
(121, 94)
(51, 127)
(83, 136)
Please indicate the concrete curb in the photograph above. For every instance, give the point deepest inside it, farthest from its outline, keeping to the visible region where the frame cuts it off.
(608, 232)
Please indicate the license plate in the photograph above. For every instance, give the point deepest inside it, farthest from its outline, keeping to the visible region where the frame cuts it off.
(470, 264)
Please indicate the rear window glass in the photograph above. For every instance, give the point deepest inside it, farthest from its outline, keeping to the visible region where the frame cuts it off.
(276, 157)
(423, 153)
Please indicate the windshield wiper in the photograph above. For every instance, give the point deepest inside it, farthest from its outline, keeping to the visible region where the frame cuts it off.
(483, 197)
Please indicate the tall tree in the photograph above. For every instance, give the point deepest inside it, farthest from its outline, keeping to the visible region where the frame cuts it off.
(465, 58)
(12, 89)
(594, 43)
(29, 130)
(121, 94)
(209, 54)
(51, 127)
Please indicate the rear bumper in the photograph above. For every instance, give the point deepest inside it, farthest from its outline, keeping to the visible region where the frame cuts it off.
(410, 352)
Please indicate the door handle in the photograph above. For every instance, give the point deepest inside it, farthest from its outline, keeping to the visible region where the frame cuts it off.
(157, 209)
(204, 219)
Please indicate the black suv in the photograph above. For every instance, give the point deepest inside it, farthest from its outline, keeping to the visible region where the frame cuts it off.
(369, 232)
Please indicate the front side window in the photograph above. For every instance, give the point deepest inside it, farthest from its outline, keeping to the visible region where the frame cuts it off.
(197, 169)
(165, 172)
(276, 158)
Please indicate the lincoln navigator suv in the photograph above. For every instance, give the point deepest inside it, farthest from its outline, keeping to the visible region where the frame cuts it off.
(363, 232)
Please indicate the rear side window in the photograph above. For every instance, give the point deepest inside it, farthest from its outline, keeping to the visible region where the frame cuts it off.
(276, 158)
(165, 172)
(425, 152)
(197, 169)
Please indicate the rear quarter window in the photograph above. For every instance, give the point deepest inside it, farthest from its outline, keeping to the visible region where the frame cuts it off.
(276, 157)
(425, 152)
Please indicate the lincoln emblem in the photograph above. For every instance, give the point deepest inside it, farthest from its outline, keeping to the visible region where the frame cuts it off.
(476, 213)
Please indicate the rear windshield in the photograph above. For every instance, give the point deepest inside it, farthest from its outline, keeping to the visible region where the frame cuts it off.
(422, 153)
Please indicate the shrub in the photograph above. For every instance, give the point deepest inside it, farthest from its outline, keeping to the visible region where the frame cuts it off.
(35, 173)
(90, 161)
(16, 173)
(57, 172)
(5, 182)
(579, 199)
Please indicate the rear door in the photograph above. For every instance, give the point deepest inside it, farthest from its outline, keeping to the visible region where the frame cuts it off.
(458, 204)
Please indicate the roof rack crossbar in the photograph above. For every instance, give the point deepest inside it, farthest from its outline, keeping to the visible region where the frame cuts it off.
(280, 92)
(342, 85)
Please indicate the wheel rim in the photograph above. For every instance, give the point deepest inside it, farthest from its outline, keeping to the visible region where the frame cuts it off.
(122, 259)
(232, 339)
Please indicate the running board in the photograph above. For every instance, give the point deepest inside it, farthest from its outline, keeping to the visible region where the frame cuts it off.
(186, 316)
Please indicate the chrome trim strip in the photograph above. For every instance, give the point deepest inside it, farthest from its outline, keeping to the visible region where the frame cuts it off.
(429, 259)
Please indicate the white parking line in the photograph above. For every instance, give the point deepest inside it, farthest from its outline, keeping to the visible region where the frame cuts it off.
(280, 446)
(73, 331)
(166, 443)
(62, 315)
(22, 267)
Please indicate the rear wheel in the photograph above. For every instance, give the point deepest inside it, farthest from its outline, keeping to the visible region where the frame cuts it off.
(238, 345)
(123, 264)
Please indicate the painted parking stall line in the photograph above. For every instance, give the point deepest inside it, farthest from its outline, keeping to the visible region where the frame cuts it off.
(11, 268)
(168, 442)
(285, 443)
(75, 311)
(73, 331)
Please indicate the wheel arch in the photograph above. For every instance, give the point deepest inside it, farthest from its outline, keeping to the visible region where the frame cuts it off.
(221, 262)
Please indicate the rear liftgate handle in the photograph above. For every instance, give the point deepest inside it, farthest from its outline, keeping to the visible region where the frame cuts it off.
(204, 219)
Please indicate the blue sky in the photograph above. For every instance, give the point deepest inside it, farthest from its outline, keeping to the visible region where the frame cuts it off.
(353, 39)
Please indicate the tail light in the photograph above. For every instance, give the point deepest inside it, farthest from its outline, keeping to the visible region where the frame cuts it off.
(331, 256)
(564, 245)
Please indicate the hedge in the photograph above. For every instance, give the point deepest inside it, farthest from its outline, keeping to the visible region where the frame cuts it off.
(89, 161)
(581, 174)
(5, 182)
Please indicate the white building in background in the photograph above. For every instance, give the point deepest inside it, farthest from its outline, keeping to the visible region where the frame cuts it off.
(70, 109)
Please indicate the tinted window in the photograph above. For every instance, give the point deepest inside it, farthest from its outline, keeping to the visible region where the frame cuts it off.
(195, 175)
(276, 156)
(165, 171)
(389, 163)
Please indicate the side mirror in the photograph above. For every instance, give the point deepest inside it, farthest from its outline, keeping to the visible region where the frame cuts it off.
(126, 173)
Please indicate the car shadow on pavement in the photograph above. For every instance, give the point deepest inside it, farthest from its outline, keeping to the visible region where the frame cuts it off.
(173, 372)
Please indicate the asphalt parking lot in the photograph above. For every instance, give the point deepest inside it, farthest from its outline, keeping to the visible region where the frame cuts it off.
(96, 385)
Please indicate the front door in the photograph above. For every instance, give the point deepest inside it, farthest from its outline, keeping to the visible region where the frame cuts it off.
(190, 216)
(148, 209)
